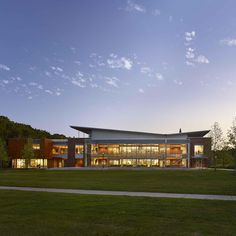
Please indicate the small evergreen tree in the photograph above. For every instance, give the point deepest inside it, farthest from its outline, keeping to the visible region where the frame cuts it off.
(28, 152)
(3, 154)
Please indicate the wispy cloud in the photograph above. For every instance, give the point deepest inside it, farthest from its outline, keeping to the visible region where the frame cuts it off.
(141, 90)
(191, 53)
(178, 82)
(170, 19)
(4, 67)
(119, 63)
(146, 70)
(156, 12)
(159, 76)
(202, 60)
(112, 81)
(56, 68)
(131, 6)
(228, 42)
(189, 36)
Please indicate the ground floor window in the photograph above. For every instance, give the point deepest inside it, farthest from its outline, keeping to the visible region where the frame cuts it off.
(33, 163)
(138, 162)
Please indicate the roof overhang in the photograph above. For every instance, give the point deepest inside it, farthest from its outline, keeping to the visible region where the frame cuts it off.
(89, 130)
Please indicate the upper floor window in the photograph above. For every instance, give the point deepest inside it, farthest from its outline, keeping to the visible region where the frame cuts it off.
(198, 150)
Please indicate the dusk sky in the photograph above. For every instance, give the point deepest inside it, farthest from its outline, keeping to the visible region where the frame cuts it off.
(140, 65)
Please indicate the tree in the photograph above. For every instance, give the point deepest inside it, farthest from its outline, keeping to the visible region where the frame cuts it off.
(28, 152)
(3, 154)
(232, 139)
(217, 141)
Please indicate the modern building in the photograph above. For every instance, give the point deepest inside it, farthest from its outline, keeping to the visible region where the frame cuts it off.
(116, 148)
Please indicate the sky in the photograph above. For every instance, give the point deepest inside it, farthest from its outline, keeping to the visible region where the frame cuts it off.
(153, 66)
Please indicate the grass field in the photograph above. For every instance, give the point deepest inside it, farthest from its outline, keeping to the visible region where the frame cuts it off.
(30, 213)
(175, 181)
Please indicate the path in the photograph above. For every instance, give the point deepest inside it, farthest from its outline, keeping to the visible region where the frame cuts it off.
(124, 193)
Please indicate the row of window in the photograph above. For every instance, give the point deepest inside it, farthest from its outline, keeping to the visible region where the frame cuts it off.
(100, 149)
(138, 162)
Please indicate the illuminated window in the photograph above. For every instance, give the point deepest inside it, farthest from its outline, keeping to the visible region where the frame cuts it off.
(198, 150)
(36, 146)
(79, 149)
(59, 149)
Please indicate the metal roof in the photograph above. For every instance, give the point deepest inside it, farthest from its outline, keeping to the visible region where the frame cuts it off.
(88, 130)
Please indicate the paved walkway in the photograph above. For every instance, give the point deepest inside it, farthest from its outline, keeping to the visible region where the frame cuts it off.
(124, 193)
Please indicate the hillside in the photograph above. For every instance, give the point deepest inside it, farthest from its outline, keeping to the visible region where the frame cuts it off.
(11, 129)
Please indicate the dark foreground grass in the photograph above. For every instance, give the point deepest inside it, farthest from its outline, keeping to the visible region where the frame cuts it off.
(30, 213)
(175, 181)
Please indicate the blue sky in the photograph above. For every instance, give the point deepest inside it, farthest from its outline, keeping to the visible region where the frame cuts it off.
(140, 65)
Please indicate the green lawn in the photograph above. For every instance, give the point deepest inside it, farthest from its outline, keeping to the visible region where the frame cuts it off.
(176, 181)
(31, 213)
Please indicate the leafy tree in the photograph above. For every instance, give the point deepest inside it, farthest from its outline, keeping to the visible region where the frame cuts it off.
(28, 152)
(3, 154)
(232, 139)
(11, 129)
(217, 141)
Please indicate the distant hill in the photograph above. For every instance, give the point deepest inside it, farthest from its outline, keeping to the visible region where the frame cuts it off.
(11, 129)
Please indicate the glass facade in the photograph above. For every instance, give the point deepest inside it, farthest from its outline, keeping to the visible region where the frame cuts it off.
(33, 163)
(140, 155)
(79, 151)
(198, 150)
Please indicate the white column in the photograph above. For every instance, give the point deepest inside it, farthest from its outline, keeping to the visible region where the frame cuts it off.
(189, 154)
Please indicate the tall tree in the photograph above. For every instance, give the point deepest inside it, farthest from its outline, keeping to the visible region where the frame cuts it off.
(232, 139)
(217, 141)
(28, 152)
(3, 154)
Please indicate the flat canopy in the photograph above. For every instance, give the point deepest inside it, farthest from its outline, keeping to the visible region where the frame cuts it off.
(88, 130)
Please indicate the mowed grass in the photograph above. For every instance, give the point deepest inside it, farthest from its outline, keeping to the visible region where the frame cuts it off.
(31, 213)
(175, 181)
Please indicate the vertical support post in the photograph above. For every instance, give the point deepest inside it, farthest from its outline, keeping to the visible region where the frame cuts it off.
(85, 154)
(188, 154)
(165, 152)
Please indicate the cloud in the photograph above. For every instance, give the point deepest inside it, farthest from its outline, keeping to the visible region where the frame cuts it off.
(190, 53)
(47, 73)
(189, 36)
(40, 86)
(73, 49)
(202, 60)
(178, 82)
(159, 76)
(112, 81)
(77, 62)
(119, 63)
(156, 12)
(33, 84)
(188, 63)
(4, 67)
(228, 42)
(145, 70)
(48, 91)
(78, 83)
(56, 68)
(141, 90)
(5, 81)
(134, 7)
(170, 19)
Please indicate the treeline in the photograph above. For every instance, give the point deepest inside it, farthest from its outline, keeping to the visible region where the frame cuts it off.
(223, 146)
(11, 129)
